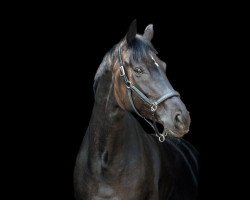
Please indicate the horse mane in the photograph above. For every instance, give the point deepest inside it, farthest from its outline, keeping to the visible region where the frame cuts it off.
(106, 64)
(140, 49)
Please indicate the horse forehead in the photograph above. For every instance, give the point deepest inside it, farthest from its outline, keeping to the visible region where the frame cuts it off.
(143, 60)
(149, 61)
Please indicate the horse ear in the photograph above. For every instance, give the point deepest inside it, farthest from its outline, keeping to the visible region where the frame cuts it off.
(149, 32)
(130, 36)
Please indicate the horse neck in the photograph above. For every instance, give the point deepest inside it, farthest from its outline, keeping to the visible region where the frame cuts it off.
(108, 126)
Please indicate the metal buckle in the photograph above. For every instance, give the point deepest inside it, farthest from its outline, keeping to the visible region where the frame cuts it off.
(122, 71)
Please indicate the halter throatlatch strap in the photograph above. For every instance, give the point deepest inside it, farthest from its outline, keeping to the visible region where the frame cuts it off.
(153, 105)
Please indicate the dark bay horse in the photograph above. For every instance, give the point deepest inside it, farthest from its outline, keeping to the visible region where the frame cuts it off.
(118, 160)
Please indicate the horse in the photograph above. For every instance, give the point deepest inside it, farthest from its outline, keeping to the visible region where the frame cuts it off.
(118, 159)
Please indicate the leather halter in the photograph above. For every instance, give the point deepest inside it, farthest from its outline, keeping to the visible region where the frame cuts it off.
(153, 105)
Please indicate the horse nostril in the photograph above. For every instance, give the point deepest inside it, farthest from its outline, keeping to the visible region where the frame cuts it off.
(178, 118)
(179, 124)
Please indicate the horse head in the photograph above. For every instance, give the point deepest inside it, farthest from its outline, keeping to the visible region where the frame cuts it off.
(141, 84)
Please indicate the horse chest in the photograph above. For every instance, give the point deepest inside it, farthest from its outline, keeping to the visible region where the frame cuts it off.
(132, 181)
(125, 188)
(131, 175)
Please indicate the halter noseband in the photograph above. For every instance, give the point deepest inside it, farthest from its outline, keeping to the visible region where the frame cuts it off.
(153, 105)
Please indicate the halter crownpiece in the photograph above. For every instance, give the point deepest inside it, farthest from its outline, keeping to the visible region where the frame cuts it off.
(153, 105)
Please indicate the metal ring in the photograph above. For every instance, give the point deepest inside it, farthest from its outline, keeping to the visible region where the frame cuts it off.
(154, 107)
(128, 84)
(161, 138)
(165, 133)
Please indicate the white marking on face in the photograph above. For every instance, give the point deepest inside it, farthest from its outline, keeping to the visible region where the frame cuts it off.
(154, 61)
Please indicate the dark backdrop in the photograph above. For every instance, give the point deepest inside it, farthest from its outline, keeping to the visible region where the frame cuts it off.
(66, 45)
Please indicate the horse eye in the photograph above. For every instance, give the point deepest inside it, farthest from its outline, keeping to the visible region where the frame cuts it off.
(138, 70)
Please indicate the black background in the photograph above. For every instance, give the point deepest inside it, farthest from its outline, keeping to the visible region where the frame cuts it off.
(64, 47)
